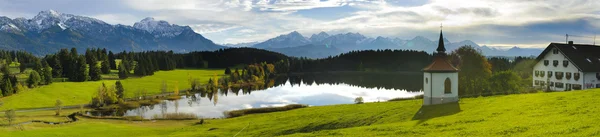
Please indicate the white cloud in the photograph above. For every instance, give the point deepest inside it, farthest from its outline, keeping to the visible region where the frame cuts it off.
(234, 21)
(125, 19)
(212, 28)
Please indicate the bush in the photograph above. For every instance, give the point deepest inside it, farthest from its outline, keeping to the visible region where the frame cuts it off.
(34, 79)
(237, 113)
(129, 105)
(58, 107)
(359, 100)
(10, 116)
(506, 82)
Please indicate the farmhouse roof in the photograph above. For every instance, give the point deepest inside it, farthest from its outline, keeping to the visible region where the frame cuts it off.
(585, 57)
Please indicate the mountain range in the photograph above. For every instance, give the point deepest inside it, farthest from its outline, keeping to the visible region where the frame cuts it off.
(50, 31)
(323, 45)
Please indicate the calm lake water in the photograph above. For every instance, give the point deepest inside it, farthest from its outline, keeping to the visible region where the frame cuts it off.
(313, 90)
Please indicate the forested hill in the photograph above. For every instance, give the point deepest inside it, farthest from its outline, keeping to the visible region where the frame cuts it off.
(233, 56)
(368, 60)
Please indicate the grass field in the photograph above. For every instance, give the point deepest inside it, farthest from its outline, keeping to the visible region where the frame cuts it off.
(73, 93)
(573, 113)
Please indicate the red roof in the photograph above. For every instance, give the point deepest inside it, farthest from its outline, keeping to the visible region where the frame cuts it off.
(440, 64)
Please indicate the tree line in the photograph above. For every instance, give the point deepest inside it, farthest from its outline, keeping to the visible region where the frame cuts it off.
(480, 76)
(368, 60)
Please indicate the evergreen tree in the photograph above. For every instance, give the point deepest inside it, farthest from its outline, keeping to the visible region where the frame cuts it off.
(94, 71)
(140, 68)
(5, 84)
(123, 73)
(105, 67)
(227, 71)
(120, 89)
(7, 87)
(47, 75)
(22, 67)
(66, 62)
(111, 60)
(80, 72)
(33, 80)
(56, 67)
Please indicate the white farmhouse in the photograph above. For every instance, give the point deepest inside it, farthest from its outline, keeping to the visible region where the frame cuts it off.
(564, 67)
(441, 78)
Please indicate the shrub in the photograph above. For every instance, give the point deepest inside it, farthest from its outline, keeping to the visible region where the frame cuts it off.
(237, 113)
(359, 100)
(129, 105)
(10, 116)
(58, 107)
(34, 79)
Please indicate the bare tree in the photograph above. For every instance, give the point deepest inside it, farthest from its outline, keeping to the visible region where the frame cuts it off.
(58, 107)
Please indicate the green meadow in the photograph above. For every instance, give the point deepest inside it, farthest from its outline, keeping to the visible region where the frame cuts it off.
(574, 113)
(74, 93)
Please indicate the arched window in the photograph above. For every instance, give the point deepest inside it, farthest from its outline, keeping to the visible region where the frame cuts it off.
(426, 80)
(447, 86)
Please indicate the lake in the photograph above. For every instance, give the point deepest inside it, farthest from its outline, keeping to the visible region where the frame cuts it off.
(312, 89)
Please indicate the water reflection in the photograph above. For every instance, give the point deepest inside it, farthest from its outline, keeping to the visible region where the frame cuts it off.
(314, 90)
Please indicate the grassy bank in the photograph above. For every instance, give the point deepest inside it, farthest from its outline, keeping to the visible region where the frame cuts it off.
(573, 113)
(73, 93)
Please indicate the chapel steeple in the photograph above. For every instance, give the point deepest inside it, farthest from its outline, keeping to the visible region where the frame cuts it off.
(441, 48)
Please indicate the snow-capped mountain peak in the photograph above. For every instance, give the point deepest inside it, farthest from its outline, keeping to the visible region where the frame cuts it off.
(159, 27)
(318, 37)
(287, 40)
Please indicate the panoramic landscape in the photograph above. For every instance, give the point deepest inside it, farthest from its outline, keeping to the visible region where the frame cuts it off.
(299, 68)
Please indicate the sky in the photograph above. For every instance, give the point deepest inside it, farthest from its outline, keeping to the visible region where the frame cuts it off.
(502, 23)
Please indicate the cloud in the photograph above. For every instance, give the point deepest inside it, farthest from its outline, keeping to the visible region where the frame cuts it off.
(212, 28)
(492, 22)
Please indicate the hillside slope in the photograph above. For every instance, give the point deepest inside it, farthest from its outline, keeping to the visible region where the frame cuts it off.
(573, 113)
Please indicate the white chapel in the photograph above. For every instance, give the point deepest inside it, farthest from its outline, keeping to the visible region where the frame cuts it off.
(440, 83)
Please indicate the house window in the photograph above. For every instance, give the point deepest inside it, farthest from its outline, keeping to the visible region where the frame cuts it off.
(546, 62)
(577, 76)
(555, 63)
(559, 75)
(542, 73)
(568, 75)
(576, 86)
(447, 86)
(549, 74)
(565, 63)
(537, 73)
(542, 83)
(555, 51)
(559, 85)
(551, 84)
(537, 82)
